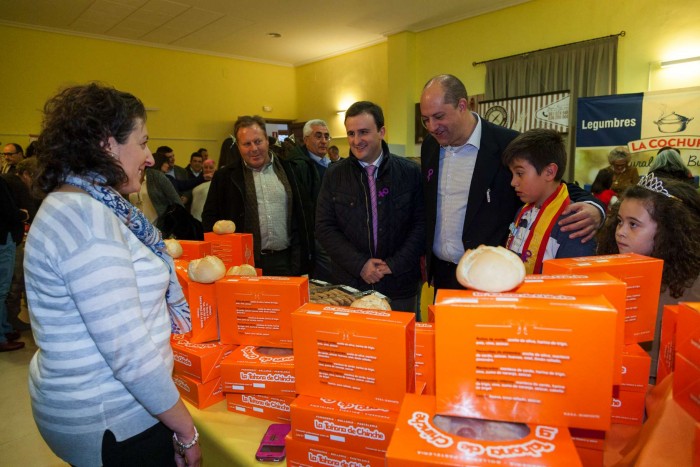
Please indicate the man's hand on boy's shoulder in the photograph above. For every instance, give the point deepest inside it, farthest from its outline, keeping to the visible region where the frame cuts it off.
(582, 220)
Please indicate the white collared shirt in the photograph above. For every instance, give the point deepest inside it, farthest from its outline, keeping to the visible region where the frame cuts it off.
(272, 207)
(322, 161)
(456, 171)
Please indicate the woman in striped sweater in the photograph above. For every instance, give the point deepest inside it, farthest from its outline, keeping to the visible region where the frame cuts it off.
(102, 293)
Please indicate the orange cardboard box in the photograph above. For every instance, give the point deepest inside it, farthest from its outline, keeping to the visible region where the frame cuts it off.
(425, 356)
(257, 310)
(194, 249)
(590, 457)
(688, 332)
(667, 342)
(422, 439)
(259, 370)
(342, 424)
(199, 361)
(233, 249)
(273, 408)
(201, 395)
(304, 454)
(686, 386)
(588, 439)
(594, 283)
(539, 360)
(635, 369)
(642, 275)
(354, 354)
(202, 301)
(628, 407)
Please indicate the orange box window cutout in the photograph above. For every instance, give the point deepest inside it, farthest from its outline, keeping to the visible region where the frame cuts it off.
(194, 249)
(635, 369)
(199, 361)
(257, 310)
(425, 356)
(259, 370)
(642, 275)
(525, 359)
(305, 454)
(273, 408)
(354, 354)
(202, 301)
(688, 332)
(233, 249)
(201, 395)
(342, 424)
(594, 283)
(628, 408)
(667, 342)
(422, 438)
(686, 386)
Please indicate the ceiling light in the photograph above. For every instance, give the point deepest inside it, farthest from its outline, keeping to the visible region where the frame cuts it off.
(274, 35)
(670, 63)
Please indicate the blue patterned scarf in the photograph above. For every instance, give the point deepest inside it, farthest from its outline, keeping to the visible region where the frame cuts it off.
(149, 235)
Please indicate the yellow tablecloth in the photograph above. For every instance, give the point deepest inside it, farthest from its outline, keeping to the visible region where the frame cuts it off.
(229, 439)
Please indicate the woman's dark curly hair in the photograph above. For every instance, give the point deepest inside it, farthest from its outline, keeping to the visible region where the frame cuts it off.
(78, 121)
(677, 225)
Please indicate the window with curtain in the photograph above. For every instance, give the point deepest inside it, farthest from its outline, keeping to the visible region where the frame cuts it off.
(584, 69)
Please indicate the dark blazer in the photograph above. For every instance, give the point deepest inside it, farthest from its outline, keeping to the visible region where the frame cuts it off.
(344, 220)
(492, 203)
(226, 201)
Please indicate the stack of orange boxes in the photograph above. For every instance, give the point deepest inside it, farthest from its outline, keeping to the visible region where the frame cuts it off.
(519, 358)
(259, 381)
(197, 370)
(255, 313)
(353, 368)
(686, 376)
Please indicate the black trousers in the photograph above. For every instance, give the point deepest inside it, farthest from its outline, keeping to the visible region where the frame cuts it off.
(277, 263)
(151, 448)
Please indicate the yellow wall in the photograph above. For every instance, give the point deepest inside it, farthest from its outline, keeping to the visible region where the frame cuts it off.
(198, 97)
(333, 84)
(654, 31)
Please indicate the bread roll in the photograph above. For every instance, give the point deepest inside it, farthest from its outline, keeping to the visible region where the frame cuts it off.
(242, 270)
(371, 301)
(173, 248)
(206, 270)
(490, 269)
(224, 227)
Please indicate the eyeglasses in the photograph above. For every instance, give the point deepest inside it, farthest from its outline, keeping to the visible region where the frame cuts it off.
(320, 136)
(10, 153)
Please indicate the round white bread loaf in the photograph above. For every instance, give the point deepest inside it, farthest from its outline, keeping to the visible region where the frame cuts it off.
(242, 270)
(206, 270)
(371, 301)
(490, 269)
(224, 227)
(173, 247)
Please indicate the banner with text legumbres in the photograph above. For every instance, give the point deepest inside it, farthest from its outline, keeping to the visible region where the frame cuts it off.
(644, 122)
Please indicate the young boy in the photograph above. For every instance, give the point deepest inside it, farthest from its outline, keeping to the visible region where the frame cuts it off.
(537, 160)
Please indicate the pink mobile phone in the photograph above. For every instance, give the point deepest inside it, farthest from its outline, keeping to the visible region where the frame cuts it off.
(271, 447)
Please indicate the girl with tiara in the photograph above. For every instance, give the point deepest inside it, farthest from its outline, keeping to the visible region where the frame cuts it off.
(660, 219)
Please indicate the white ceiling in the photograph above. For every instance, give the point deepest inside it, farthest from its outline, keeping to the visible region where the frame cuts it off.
(311, 29)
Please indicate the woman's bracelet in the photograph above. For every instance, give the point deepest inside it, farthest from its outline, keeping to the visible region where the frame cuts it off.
(182, 447)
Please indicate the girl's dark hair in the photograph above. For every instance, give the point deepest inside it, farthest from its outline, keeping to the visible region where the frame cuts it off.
(77, 124)
(603, 181)
(676, 240)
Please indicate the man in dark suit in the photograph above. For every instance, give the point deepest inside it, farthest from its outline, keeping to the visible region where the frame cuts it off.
(469, 200)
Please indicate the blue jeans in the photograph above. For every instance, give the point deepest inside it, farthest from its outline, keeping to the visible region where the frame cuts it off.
(7, 269)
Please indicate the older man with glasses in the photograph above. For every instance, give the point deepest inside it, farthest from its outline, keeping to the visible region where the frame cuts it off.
(12, 154)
